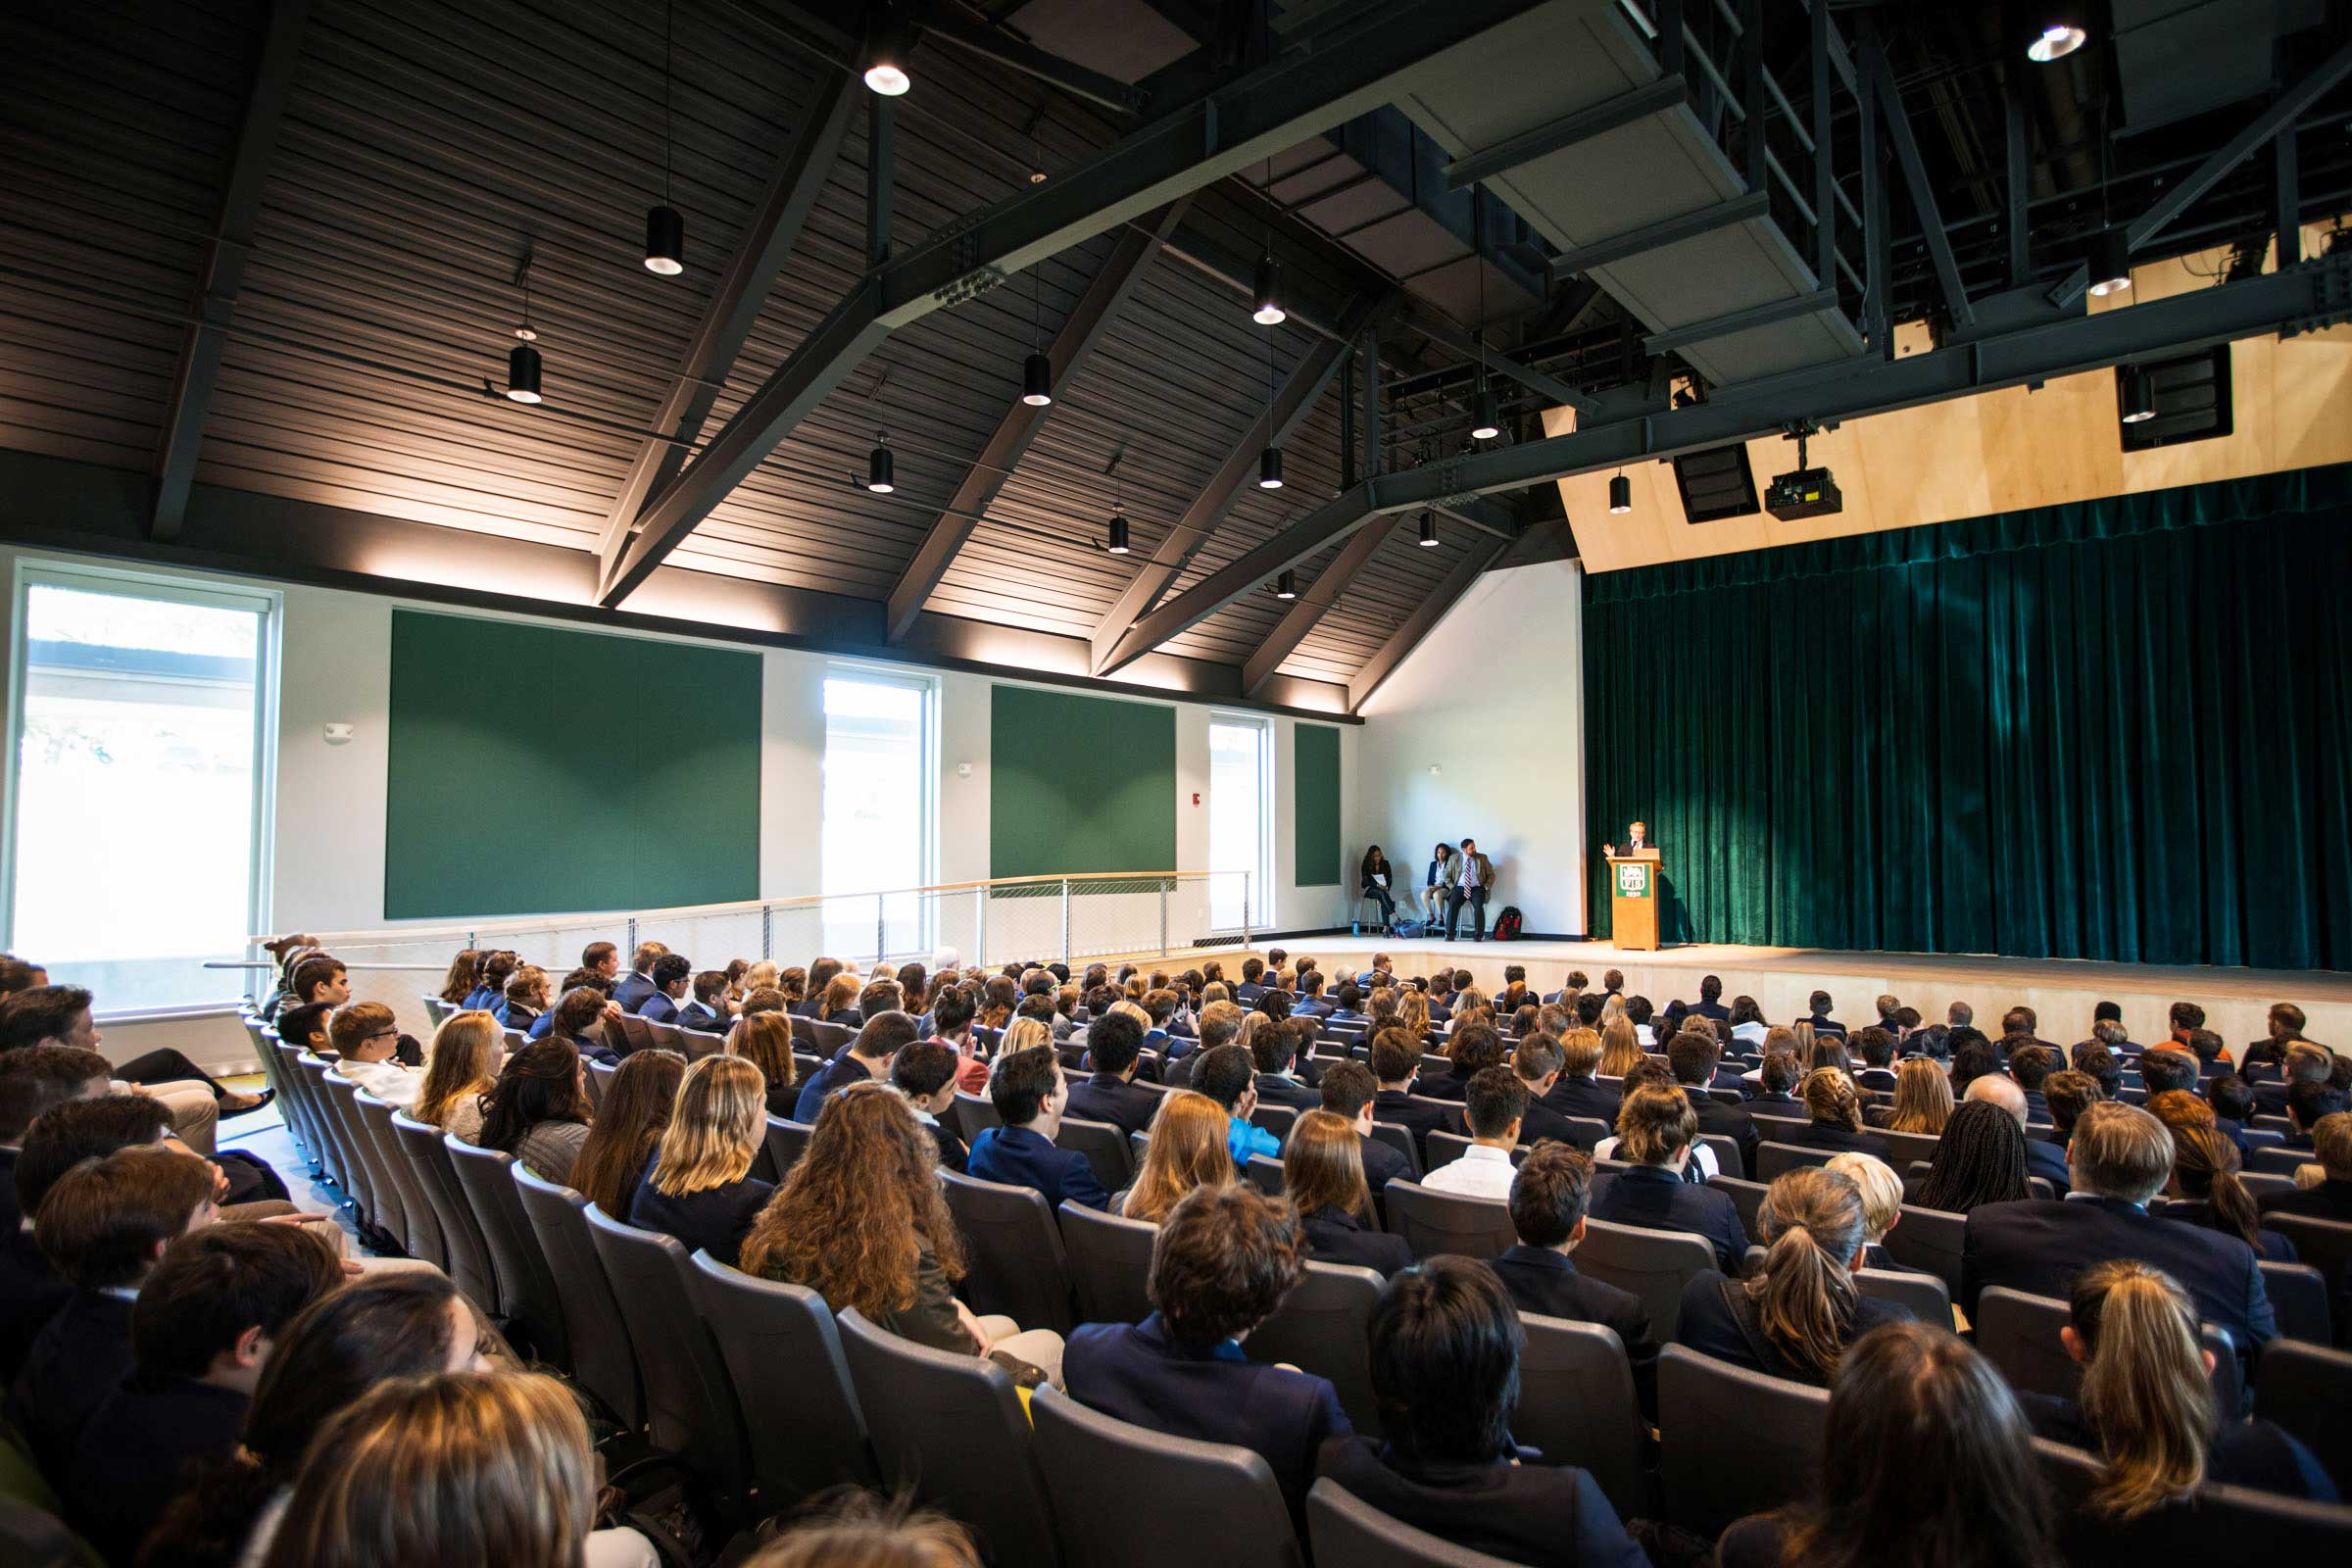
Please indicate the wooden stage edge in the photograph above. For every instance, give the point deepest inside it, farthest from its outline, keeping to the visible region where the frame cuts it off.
(2062, 991)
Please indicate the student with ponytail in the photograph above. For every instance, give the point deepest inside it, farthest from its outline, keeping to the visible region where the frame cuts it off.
(2208, 1191)
(1836, 1107)
(2146, 1405)
(1795, 1317)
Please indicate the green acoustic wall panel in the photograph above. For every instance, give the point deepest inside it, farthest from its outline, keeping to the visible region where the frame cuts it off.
(507, 795)
(1315, 806)
(1079, 784)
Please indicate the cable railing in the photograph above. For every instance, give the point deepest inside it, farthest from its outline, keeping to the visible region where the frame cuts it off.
(1075, 919)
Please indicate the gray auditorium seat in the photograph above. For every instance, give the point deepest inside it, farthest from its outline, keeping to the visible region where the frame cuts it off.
(1401, 1139)
(529, 1296)
(1777, 1159)
(599, 1078)
(2298, 1295)
(1275, 1119)
(780, 1344)
(1929, 1239)
(1435, 1223)
(354, 1171)
(1748, 1196)
(1577, 1405)
(1716, 1423)
(1111, 1263)
(1104, 1148)
(787, 1142)
(407, 1213)
(1653, 1266)
(974, 1115)
(2307, 1389)
(602, 1360)
(1265, 1174)
(1350, 1533)
(1922, 1293)
(1127, 1497)
(1014, 1249)
(469, 1263)
(1324, 1326)
(2018, 1333)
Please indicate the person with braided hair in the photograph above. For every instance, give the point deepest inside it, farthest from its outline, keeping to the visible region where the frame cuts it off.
(1836, 1107)
(1980, 1158)
(1794, 1316)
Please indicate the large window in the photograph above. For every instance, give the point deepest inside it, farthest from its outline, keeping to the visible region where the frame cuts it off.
(141, 785)
(1241, 822)
(880, 761)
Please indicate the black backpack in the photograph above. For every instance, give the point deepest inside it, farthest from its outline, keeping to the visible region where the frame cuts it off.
(1508, 924)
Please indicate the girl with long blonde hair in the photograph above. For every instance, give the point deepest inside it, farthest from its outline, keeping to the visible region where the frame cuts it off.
(700, 1187)
(468, 1051)
(1923, 1098)
(1186, 1148)
(1795, 1317)
(764, 1040)
(1620, 1049)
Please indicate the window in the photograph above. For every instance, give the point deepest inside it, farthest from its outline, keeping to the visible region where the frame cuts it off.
(1241, 822)
(880, 745)
(141, 784)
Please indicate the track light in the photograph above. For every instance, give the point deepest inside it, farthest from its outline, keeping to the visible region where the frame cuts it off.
(1037, 380)
(665, 241)
(2110, 260)
(2138, 394)
(2056, 32)
(1269, 469)
(881, 471)
(1286, 586)
(1266, 292)
(1116, 541)
(522, 373)
(1620, 494)
(1486, 426)
(890, 47)
(1429, 530)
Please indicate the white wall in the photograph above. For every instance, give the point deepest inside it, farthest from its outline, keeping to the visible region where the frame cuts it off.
(1492, 697)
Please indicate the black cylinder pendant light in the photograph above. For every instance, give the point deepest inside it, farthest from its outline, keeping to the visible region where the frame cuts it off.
(2138, 394)
(1037, 380)
(1486, 424)
(2110, 262)
(890, 48)
(881, 471)
(1269, 469)
(1620, 494)
(1115, 542)
(664, 225)
(1286, 586)
(522, 375)
(1265, 292)
(1429, 530)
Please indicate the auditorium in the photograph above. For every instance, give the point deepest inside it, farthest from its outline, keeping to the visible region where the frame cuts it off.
(1176, 783)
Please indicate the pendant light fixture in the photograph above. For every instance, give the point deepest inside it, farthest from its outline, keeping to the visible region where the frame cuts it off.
(1620, 494)
(890, 48)
(2053, 32)
(2109, 257)
(1485, 425)
(1429, 532)
(664, 226)
(2138, 390)
(1037, 371)
(523, 362)
(881, 471)
(1286, 586)
(1269, 461)
(1115, 542)
(1265, 289)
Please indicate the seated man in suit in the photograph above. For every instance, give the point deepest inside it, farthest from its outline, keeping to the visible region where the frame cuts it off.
(1656, 1131)
(1029, 1092)
(673, 974)
(1113, 1050)
(1275, 1050)
(1539, 1060)
(2030, 1068)
(1225, 1257)
(2121, 1156)
(1252, 986)
(633, 988)
(1349, 1091)
(1396, 1060)
(1710, 1000)
(707, 1012)
(2331, 1199)
(1310, 1003)
(1823, 1024)
(2306, 1105)
(1878, 1062)
(203, 1325)
(1693, 1057)
(102, 1226)
(1550, 1201)
(2043, 1159)
(1580, 1093)
(867, 1055)
(925, 1073)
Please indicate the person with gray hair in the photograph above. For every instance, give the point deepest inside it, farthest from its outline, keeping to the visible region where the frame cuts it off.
(2044, 1159)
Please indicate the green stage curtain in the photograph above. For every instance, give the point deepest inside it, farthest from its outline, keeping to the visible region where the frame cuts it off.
(2120, 729)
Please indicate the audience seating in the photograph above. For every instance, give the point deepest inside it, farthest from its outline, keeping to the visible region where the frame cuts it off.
(1726, 1150)
(1127, 1497)
(1275, 1119)
(1922, 1293)
(406, 1214)
(1774, 1160)
(1401, 1139)
(2298, 1295)
(1347, 1532)
(1104, 1148)
(1324, 1326)
(1111, 1263)
(974, 1115)
(599, 1078)
(1733, 1442)
(1434, 1223)
(602, 1360)
(2326, 1246)
(469, 1263)
(294, 1099)
(1577, 1405)
(336, 1099)
(950, 1428)
(2307, 1389)
(1014, 1253)
(1136, 1145)
(1904, 1148)
(1267, 1172)
(786, 1142)
(1748, 1196)
(527, 1296)
(2279, 1161)
(2019, 1333)
(1929, 1239)
(780, 1344)
(1653, 1266)
(635, 1033)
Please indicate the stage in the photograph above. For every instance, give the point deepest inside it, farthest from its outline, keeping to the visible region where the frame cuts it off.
(2062, 991)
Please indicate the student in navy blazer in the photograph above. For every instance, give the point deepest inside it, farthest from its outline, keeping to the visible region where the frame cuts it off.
(672, 973)
(1029, 1092)
(1113, 1044)
(1225, 1258)
(1550, 1197)
(707, 1013)
(2121, 1157)
(638, 984)
(1656, 1131)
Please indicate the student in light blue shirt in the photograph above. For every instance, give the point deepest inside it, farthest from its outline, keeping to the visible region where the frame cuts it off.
(1228, 1075)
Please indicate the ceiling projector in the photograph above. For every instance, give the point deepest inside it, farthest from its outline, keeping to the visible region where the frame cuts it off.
(1803, 492)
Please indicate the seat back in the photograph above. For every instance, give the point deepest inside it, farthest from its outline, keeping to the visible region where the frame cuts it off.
(2018, 1333)
(1324, 1326)
(2326, 1246)
(469, 1263)
(780, 1345)
(1929, 1239)
(1104, 1148)
(1717, 1422)
(975, 1114)
(1726, 1149)
(635, 1034)
(1748, 1196)
(599, 1078)
(1110, 1264)
(295, 1091)
(950, 1428)
(357, 1172)
(1348, 1531)
(787, 1141)
(526, 1286)
(2307, 1389)
(602, 1360)
(1923, 1295)
(1401, 1139)
(665, 1036)
(1577, 1405)
(1653, 1266)
(1904, 1148)
(1275, 1119)
(2298, 1295)
(1126, 1497)
(2280, 1161)
(1776, 1159)
(1433, 1223)
(690, 1403)
(1265, 1174)
(396, 1183)
(1014, 1253)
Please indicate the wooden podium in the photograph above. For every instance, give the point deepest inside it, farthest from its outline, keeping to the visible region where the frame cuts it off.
(1633, 900)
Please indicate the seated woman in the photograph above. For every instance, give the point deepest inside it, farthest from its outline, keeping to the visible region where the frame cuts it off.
(764, 1040)
(1922, 1098)
(861, 1221)
(1836, 1107)
(839, 1003)
(1927, 1458)
(1377, 879)
(2207, 1190)
(1444, 1346)
(1187, 1148)
(1656, 1131)
(1621, 1049)
(700, 1187)
(1881, 1193)
(1796, 1314)
(538, 1110)
(1980, 1158)
(2146, 1411)
(1323, 1174)
(629, 1123)
(523, 999)
(468, 1052)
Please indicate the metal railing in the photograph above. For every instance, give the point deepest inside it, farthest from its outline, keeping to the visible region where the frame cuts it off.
(1075, 919)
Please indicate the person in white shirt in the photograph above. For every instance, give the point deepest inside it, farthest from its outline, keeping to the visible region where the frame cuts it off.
(1495, 1103)
(365, 1035)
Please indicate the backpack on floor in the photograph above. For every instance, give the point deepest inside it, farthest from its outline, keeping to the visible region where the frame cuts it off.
(1406, 929)
(1508, 924)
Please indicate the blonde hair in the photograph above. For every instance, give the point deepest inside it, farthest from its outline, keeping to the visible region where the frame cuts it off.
(1580, 1052)
(1923, 1098)
(714, 1130)
(1023, 1033)
(760, 976)
(466, 1053)
(863, 1530)
(1412, 1011)
(1186, 1150)
(1612, 1010)
(841, 995)
(2145, 1393)
(1880, 1188)
(1830, 1095)
(1323, 1165)
(460, 1467)
(1620, 1049)
(1653, 1123)
(1130, 1010)
(764, 1040)
(1813, 1225)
